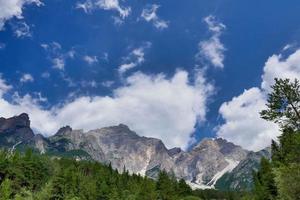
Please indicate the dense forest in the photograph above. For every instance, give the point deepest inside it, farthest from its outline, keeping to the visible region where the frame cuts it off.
(33, 176)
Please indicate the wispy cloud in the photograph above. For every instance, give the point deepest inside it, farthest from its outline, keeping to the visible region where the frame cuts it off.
(26, 78)
(90, 59)
(212, 50)
(4, 87)
(149, 14)
(90, 5)
(57, 55)
(135, 58)
(21, 30)
(2, 46)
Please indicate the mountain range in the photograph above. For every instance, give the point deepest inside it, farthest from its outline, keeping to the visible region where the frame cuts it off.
(213, 163)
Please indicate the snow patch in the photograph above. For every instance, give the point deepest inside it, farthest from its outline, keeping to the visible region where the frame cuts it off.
(231, 165)
(200, 185)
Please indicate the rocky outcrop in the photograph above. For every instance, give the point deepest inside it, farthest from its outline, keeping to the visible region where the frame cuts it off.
(15, 130)
(207, 162)
(240, 178)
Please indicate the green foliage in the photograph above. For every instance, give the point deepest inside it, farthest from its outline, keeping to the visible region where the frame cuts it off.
(284, 104)
(288, 182)
(32, 176)
(280, 178)
(264, 182)
(5, 190)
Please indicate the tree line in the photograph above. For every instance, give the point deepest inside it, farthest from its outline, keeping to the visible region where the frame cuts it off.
(31, 176)
(279, 178)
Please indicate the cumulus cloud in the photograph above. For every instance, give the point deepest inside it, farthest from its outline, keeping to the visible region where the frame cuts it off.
(90, 5)
(152, 105)
(90, 59)
(279, 67)
(26, 78)
(212, 49)
(243, 124)
(13, 8)
(135, 58)
(149, 14)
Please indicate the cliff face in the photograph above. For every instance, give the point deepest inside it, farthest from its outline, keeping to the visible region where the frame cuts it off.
(118, 145)
(15, 130)
(241, 176)
(211, 163)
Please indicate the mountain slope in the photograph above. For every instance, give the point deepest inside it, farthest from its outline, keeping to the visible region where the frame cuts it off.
(241, 176)
(213, 162)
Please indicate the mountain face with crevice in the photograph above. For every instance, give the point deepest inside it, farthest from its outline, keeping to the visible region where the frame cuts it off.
(213, 163)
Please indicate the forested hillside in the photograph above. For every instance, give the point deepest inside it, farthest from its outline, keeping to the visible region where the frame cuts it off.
(32, 176)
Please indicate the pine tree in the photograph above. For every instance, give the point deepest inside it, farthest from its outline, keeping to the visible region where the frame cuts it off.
(183, 189)
(265, 188)
(5, 190)
(283, 107)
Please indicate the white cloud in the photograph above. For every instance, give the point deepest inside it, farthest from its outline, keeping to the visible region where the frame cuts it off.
(26, 78)
(153, 106)
(117, 20)
(57, 55)
(86, 6)
(149, 15)
(58, 63)
(90, 5)
(243, 125)
(213, 49)
(91, 83)
(4, 87)
(21, 30)
(45, 75)
(2, 46)
(90, 59)
(135, 58)
(13, 8)
(107, 83)
(278, 67)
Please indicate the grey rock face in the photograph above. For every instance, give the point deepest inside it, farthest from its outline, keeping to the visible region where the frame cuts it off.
(240, 178)
(207, 162)
(118, 145)
(15, 130)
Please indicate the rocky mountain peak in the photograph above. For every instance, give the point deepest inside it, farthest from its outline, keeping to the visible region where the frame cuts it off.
(121, 131)
(174, 151)
(207, 144)
(63, 131)
(14, 122)
(15, 129)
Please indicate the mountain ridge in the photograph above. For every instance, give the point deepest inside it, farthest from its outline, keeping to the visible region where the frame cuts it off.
(203, 166)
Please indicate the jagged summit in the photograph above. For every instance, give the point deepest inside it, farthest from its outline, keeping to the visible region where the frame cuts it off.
(20, 121)
(63, 130)
(15, 130)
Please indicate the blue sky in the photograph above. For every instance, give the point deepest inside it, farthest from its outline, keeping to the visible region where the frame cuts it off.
(168, 69)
